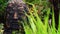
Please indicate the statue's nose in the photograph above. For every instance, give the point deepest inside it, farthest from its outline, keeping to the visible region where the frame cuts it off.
(15, 15)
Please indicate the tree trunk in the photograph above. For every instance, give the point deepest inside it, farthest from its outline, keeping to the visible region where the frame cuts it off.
(56, 11)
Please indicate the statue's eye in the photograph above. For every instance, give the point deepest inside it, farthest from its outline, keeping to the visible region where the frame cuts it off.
(14, 8)
(10, 5)
(11, 12)
(20, 7)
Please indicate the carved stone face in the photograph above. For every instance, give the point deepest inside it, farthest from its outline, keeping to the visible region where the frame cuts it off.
(15, 11)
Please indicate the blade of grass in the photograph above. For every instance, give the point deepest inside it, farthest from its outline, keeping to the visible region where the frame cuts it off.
(58, 32)
(53, 23)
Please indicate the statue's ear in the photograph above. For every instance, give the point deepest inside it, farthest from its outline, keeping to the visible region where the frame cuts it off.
(26, 8)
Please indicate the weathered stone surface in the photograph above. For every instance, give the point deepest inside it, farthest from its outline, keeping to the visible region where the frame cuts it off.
(14, 12)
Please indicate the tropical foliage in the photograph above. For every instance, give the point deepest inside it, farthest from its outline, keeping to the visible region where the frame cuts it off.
(40, 12)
